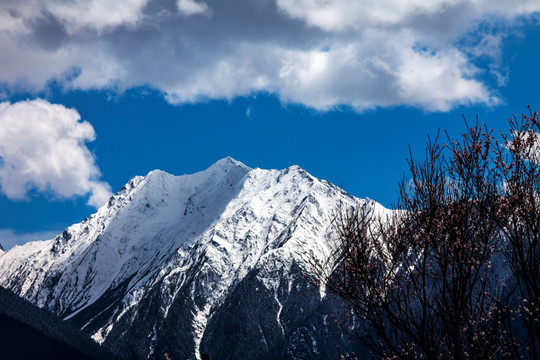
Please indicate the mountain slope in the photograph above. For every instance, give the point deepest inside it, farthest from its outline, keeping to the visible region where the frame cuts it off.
(214, 261)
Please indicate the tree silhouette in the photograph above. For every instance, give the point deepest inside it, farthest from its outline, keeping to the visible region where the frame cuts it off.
(454, 273)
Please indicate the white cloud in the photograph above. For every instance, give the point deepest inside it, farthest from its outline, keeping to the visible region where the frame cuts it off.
(100, 192)
(75, 15)
(10, 238)
(249, 112)
(339, 15)
(323, 54)
(439, 81)
(191, 7)
(42, 148)
(489, 46)
(98, 14)
(432, 81)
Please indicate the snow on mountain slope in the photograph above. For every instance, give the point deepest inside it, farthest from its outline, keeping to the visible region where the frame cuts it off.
(150, 269)
(147, 219)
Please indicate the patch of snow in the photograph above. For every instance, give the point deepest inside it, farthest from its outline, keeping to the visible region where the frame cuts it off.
(199, 326)
(101, 334)
(278, 319)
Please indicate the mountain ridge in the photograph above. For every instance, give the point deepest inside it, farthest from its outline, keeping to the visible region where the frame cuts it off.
(170, 247)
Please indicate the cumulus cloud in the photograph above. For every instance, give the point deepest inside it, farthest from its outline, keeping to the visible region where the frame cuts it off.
(323, 54)
(42, 148)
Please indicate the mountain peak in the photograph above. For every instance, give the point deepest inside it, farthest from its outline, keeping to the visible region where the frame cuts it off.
(221, 166)
(157, 174)
(227, 163)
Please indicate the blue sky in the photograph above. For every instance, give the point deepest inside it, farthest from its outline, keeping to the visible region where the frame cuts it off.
(92, 95)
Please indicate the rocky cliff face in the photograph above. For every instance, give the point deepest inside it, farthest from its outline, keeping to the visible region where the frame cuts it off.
(212, 262)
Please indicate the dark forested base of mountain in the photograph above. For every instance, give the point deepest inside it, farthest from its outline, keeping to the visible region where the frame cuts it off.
(28, 332)
(19, 341)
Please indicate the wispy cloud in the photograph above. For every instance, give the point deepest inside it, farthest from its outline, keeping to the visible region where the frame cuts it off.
(10, 238)
(323, 54)
(43, 148)
(190, 7)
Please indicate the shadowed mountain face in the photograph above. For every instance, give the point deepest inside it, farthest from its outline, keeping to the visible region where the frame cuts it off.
(20, 341)
(213, 262)
(28, 332)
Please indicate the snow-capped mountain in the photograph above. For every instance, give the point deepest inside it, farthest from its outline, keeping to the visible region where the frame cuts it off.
(212, 262)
